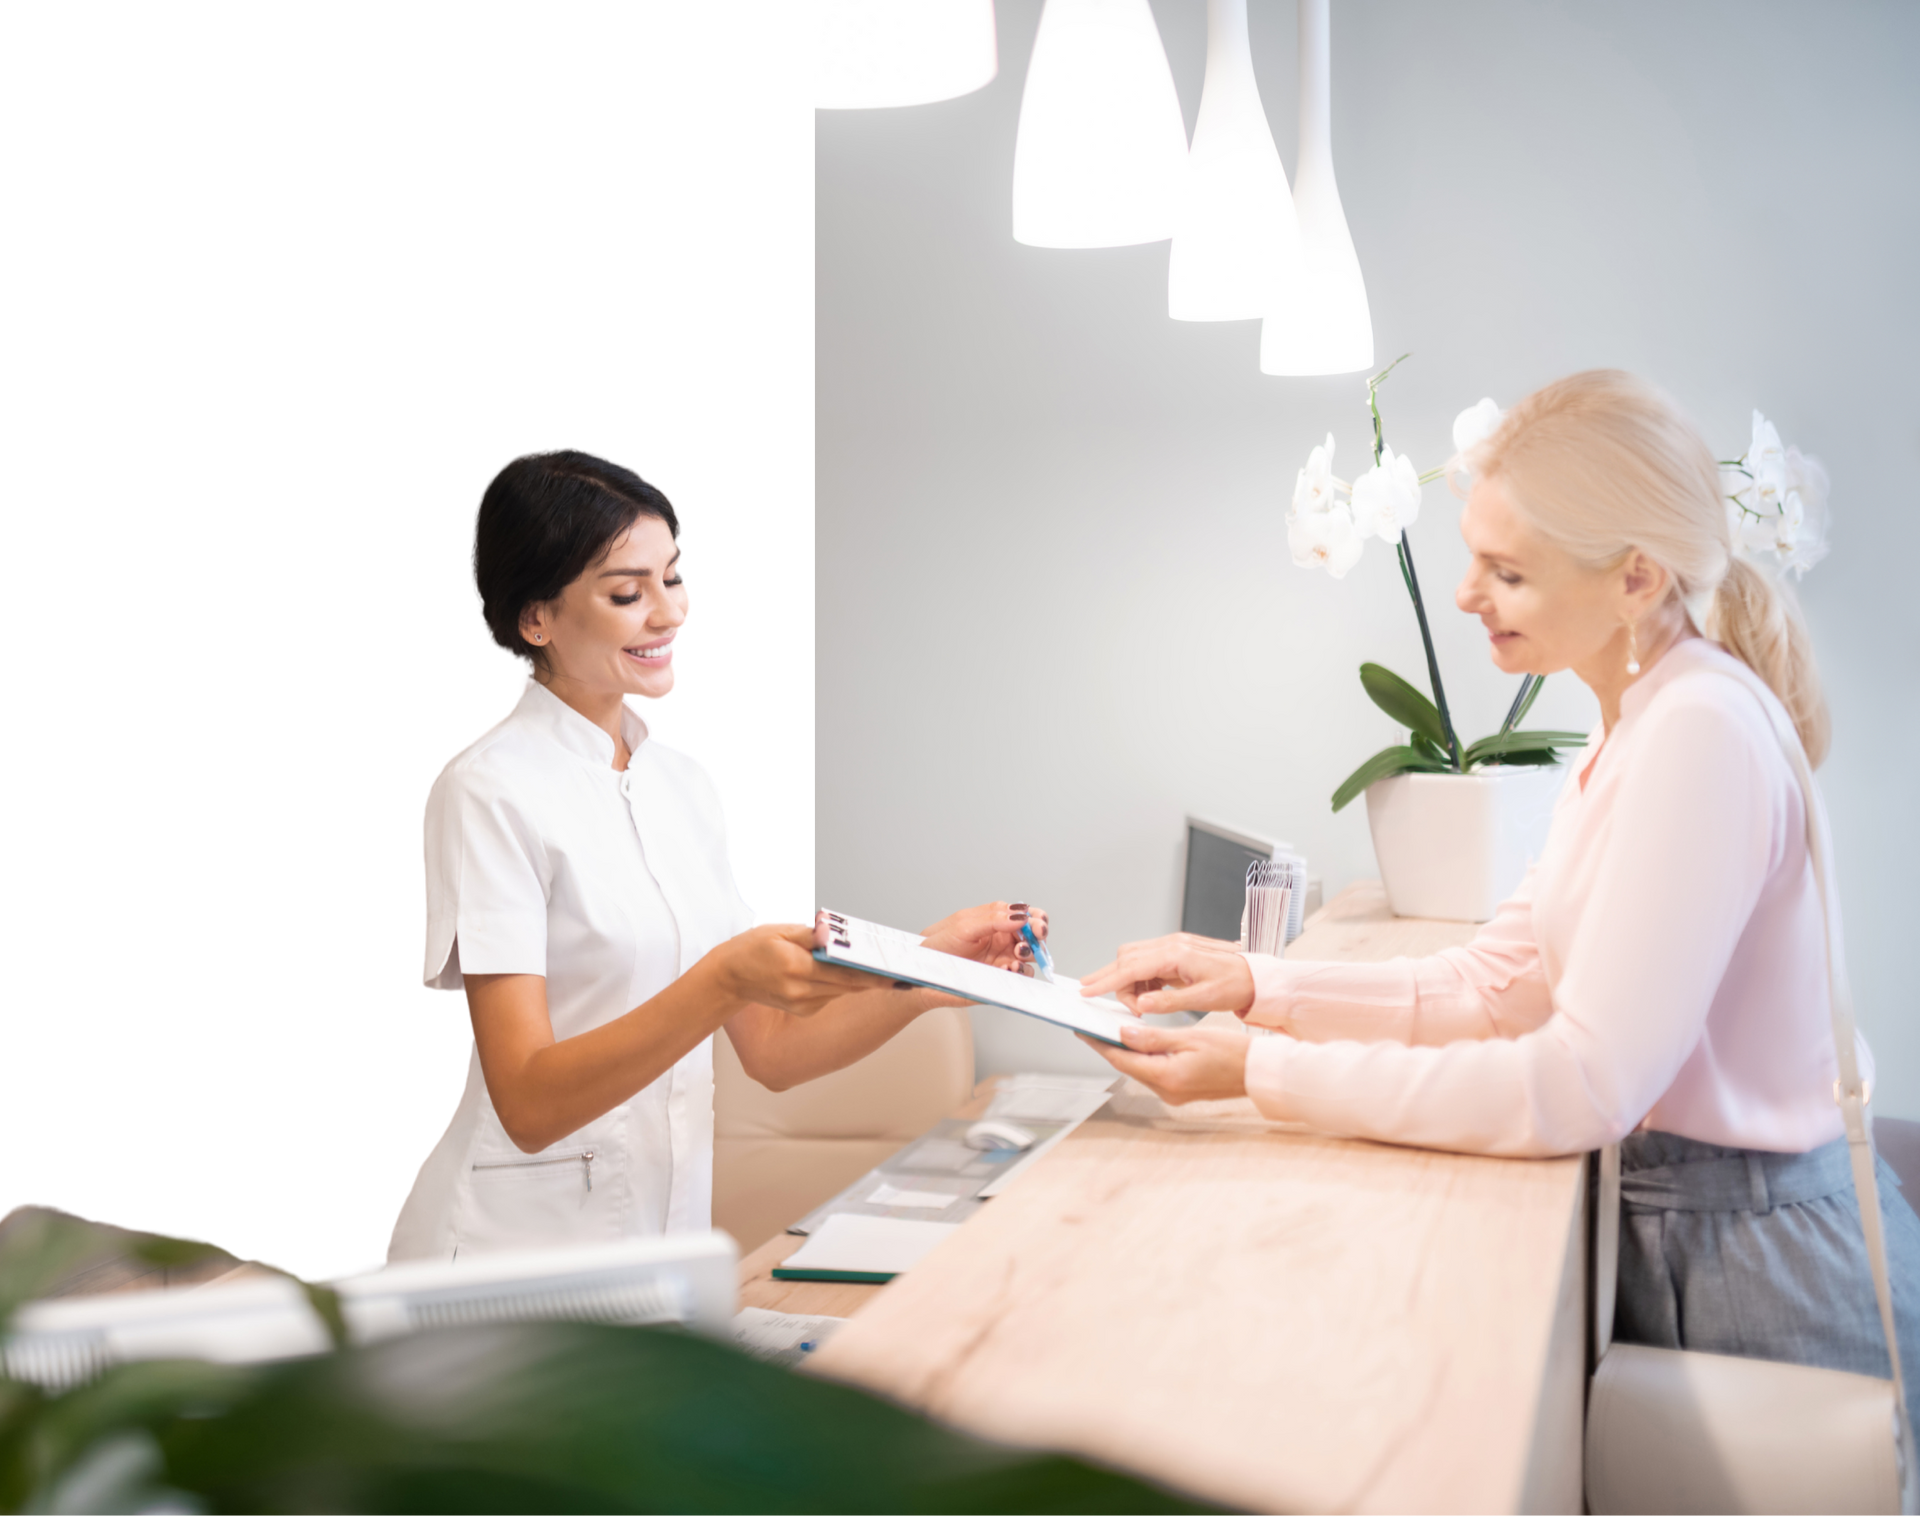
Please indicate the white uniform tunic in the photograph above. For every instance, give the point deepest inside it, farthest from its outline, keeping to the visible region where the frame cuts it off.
(544, 859)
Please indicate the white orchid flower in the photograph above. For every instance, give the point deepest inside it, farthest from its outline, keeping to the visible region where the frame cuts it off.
(1765, 451)
(1766, 462)
(1808, 477)
(1753, 531)
(1806, 553)
(1476, 424)
(1769, 487)
(1786, 526)
(1737, 485)
(1324, 540)
(1776, 503)
(1807, 488)
(1386, 499)
(1317, 489)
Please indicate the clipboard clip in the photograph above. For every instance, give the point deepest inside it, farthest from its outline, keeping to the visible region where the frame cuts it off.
(830, 932)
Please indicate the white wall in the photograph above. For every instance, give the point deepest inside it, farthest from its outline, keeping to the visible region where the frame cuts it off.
(1056, 608)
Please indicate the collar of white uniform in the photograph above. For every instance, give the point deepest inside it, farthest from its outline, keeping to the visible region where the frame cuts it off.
(540, 708)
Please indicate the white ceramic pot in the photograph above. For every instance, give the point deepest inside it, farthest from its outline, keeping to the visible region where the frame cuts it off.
(1454, 846)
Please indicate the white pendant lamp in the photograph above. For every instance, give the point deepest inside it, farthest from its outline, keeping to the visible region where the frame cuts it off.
(1238, 243)
(1102, 148)
(901, 52)
(1320, 324)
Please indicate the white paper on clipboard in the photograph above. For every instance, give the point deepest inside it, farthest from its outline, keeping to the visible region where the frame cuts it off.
(902, 956)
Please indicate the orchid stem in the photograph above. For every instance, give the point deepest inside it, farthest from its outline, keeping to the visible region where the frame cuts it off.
(1373, 404)
(1433, 664)
(1519, 702)
(1406, 572)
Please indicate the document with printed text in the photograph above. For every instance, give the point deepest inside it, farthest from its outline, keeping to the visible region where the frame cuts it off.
(902, 956)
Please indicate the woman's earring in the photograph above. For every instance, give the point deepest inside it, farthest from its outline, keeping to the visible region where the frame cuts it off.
(541, 637)
(1633, 650)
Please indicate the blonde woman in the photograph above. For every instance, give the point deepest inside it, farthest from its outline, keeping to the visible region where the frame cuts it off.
(1659, 980)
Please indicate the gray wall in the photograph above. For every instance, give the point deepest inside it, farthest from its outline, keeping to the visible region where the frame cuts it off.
(1056, 610)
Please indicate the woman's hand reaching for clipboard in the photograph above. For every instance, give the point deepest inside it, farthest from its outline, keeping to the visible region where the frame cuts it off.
(1180, 972)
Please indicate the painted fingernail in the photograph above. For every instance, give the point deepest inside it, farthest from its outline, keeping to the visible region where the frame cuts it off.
(1021, 951)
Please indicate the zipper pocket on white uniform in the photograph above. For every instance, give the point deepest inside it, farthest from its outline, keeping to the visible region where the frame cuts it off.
(584, 1159)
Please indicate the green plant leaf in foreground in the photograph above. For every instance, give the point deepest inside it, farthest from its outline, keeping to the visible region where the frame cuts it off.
(42, 1251)
(1404, 704)
(57, 1452)
(34, 1257)
(1503, 745)
(1384, 765)
(525, 1417)
(572, 1417)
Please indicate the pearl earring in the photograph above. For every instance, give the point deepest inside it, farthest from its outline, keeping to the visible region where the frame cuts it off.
(1633, 650)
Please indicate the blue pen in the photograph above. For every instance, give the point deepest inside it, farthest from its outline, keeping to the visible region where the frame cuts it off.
(1042, 960)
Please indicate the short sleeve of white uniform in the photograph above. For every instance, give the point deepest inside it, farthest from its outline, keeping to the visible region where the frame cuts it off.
(486, 882)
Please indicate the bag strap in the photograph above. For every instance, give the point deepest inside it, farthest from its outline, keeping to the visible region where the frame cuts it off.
(1850, 1092)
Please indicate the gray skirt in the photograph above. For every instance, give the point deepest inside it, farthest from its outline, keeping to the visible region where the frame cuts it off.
(1759, 1255)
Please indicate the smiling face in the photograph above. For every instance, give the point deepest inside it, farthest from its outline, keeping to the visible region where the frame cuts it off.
(610, 633)
(1544, 611)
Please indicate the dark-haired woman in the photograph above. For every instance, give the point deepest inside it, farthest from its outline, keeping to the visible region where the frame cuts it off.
(578, 889)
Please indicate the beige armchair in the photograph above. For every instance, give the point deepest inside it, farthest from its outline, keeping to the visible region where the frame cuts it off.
(776, 1157)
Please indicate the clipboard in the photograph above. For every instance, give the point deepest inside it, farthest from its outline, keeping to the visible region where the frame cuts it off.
(903, 957)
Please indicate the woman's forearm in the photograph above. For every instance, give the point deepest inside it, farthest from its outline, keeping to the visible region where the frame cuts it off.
(543, 1089)
(781, 1051)
(1492, 987)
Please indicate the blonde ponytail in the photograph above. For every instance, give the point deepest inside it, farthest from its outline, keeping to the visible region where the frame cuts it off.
(1757, 619)
(1601, 463)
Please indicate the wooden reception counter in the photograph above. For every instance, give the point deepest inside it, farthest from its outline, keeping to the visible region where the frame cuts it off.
(1261, 1317)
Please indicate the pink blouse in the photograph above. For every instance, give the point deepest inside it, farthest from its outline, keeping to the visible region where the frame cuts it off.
(1663, 965)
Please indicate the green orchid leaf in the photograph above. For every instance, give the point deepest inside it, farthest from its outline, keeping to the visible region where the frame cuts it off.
(1527, 704)
(1530, 756)
(1503, 743)
(1384, 765)
(1431, 749)
(1541, 738)
(1403, 703)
